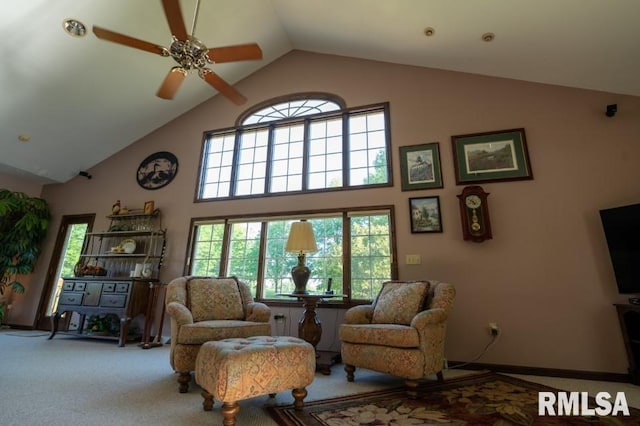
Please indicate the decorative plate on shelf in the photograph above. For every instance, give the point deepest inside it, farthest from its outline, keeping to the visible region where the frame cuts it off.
(157, 170)
(128, 246)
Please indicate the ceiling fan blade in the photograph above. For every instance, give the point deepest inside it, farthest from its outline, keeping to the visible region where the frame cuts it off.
(174, 17)
(222, 86)
(171, 83)
(241, 52)
(114, 37)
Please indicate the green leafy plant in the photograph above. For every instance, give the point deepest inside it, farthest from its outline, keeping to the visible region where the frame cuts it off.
(23, 225)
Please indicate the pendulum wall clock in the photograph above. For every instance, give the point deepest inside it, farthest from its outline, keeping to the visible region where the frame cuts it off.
(474, 212)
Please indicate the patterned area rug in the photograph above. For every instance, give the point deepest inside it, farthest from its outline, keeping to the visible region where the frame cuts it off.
(478, 400)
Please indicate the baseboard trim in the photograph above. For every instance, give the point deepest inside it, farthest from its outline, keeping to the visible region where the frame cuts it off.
(550, 372)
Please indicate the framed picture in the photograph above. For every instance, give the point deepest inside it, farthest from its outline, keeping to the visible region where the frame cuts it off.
(148, 207)
(420, 166)
(491, 156)
(425, 214)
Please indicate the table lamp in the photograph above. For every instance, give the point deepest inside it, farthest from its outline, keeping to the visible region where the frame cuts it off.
(302, 241)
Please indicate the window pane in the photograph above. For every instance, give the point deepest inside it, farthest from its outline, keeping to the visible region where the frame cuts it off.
(207, 249)
(216, 169)
(252, 162)
(288, 158)
(325, 138)
(324, 264)
(277, 266)
(370, 255)
(368, 144)
(244, 251)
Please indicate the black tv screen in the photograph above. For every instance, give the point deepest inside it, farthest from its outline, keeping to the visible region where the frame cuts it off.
(622, 230)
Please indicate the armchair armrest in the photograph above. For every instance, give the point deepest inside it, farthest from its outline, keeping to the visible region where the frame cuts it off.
(361, 314)
(429, 317)
(258, 312)
(180, 313)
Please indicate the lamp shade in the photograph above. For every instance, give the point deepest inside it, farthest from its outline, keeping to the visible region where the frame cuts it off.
(301, 238)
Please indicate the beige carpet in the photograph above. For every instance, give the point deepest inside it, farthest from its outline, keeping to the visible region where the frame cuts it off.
(70, 381)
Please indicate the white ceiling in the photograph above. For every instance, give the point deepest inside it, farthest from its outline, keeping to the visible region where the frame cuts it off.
(83, 99)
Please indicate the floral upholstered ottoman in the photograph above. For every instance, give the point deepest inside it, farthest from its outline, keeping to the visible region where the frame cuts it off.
(230, 370)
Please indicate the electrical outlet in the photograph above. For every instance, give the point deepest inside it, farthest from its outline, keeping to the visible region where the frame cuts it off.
(279, 317)
(493, 328)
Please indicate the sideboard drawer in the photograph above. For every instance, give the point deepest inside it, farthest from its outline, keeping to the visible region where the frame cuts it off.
(70, 298)
(122, 287)
(113, 300)
(110, 287)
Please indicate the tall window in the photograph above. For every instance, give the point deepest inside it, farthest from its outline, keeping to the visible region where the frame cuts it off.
(299, 145)
(254, 251)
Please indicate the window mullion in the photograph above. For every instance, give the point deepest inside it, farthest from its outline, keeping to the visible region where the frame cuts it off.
(270, 142)
(346, 255)
(306, 150)
(226, 242)
(236, 163)
(345, 150)
(261, 259)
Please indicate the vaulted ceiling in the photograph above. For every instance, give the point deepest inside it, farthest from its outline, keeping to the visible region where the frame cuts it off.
(78, 100)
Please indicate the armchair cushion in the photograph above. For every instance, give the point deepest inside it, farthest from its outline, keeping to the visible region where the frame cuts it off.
(398, 302)
(399, 336)
(215, 299)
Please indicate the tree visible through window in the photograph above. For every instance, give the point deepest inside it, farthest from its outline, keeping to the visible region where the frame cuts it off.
(255, 252)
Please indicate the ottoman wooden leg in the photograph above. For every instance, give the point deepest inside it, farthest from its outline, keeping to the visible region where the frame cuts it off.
(207, 404)
(229, 411)
(184, 379)
(349, 369)
(299, 394)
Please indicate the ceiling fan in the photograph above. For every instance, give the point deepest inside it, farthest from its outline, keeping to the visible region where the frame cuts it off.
(189, 52)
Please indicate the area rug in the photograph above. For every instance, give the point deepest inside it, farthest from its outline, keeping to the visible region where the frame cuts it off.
(479, 400)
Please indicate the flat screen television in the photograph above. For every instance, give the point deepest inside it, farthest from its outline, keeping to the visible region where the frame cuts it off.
(622, 230)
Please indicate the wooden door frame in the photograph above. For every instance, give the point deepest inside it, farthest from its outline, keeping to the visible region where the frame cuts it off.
(43, 322)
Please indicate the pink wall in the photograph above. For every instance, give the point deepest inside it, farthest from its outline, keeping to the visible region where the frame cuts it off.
(13, 183)
(545, 278)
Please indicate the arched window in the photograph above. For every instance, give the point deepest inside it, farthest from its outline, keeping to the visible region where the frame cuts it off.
(299, 143)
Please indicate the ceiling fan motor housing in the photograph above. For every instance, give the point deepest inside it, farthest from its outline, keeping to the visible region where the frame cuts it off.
(190, 53)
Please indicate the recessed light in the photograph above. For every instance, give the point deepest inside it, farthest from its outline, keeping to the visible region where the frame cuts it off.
(429, 31)
(24, 138)
(488, 37)
(74, 27)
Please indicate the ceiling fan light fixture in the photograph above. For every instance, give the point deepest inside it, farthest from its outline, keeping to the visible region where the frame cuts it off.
(74, 28)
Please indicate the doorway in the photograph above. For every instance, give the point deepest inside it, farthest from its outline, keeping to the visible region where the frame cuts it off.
(66, 253)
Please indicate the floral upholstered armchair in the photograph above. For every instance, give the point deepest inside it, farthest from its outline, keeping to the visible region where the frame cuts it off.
(204, 309)
(402, 333)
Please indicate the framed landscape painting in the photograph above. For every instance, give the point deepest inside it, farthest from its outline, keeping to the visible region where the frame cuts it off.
(491, 156)
(420, 166)
(425, 214)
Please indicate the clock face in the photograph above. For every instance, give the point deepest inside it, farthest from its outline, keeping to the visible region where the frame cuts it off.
(473, 201)
(157, 170)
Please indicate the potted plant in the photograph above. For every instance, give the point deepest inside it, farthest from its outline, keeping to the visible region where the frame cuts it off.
(23, 226)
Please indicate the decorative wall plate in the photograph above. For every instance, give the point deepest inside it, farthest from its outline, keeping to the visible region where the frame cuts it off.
(128, 246)
(157, 170)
